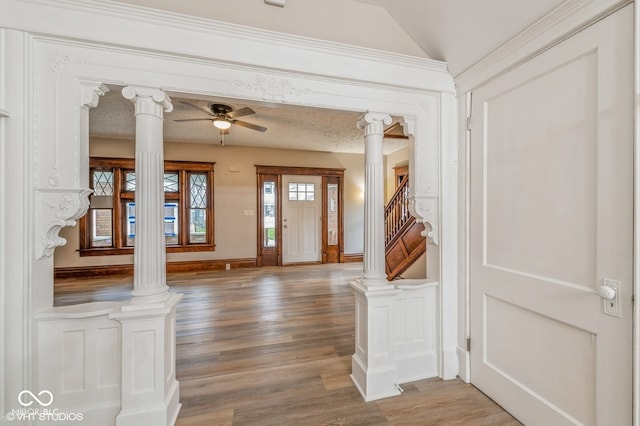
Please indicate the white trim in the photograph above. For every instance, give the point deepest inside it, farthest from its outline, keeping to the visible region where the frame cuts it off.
(564, 21)
(3, 207)
(636, 221)
(226, 29)
(449, 260)
(464, 331)
(192, 35)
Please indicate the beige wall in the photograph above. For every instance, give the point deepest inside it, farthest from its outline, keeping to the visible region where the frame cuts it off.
(398, 158)
(234, 192)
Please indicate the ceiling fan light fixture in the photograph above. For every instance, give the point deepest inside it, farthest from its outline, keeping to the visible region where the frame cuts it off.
(221, 124)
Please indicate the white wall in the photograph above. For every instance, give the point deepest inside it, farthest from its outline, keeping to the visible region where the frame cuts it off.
(394, 159)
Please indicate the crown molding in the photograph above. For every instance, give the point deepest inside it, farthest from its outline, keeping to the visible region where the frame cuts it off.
(225, 29)
(561, 23)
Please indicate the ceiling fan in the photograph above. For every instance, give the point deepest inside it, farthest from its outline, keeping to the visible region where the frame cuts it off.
(223, 116)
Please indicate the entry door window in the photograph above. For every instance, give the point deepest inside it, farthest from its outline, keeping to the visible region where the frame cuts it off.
(302, 191)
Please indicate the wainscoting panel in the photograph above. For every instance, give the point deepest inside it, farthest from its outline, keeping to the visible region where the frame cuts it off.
(79, 360)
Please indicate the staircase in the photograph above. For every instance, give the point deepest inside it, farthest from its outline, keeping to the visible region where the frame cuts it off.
(404, 243)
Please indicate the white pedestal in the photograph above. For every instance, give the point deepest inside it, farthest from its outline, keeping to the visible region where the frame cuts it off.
(150, 391)
(372, 367)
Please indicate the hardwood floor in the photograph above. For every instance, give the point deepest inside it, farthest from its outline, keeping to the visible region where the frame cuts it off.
(273, 346)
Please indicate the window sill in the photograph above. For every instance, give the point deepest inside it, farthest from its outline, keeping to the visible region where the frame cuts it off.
(129, 250)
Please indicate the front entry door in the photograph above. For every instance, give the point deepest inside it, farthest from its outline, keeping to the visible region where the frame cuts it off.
(301, 219)
(550, 224)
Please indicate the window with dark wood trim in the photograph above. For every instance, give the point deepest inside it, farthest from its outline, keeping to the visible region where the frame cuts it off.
(109, 226)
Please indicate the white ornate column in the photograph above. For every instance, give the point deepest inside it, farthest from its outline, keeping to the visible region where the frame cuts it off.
(374, 263)
(150, 391)
(372, 366)
(149, 268)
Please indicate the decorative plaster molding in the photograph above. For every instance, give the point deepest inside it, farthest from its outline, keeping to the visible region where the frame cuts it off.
(425, 210)
(90, 93)
(272, 88)
(58, 61)
(161, 102)
(408, 126)
(57, 209)
(53, 177)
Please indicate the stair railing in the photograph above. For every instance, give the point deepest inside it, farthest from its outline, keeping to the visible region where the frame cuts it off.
(396, 213)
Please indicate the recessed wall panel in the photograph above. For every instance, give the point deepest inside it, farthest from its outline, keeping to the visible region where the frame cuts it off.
(73, 360)
(540, 175)
(549, 358)
(144, 363)
(108, 354)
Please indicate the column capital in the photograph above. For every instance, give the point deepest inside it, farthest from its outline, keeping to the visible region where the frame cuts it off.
(373, 122)
(148, 100)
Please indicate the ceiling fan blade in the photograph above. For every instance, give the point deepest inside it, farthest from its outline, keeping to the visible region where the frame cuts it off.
(241, 112)
(250, 126)
(194, 119)
(198, 108)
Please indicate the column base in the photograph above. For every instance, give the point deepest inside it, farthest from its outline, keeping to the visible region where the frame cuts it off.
(372, 368)
(374, 384)
(143, 297)
(150, 392)
(166, 414)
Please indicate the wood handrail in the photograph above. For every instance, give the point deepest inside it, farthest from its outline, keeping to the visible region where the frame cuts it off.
(396, 213)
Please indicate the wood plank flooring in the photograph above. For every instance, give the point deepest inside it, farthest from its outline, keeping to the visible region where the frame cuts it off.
(273, 346)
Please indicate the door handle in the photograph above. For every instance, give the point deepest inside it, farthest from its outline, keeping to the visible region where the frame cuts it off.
(606, 292)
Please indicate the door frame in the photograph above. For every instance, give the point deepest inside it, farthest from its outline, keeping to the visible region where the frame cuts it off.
(561, 23)
(329, 175)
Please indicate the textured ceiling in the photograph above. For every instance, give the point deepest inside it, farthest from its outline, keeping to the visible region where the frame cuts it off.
(301, 128)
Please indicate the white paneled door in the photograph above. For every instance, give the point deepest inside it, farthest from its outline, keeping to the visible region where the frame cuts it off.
(551, 226)
(301, 219)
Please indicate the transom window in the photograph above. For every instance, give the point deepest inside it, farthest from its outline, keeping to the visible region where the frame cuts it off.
(110, 224)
